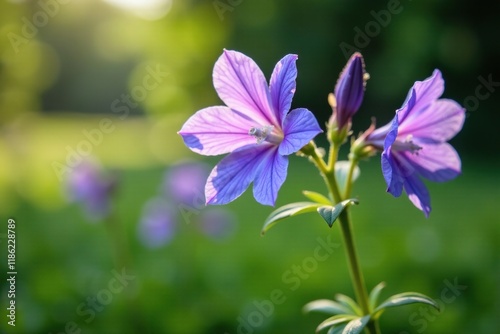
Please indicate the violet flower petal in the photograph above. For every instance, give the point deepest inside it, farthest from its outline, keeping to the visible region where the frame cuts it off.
(282, 85)
(270, 177)
(392, 133)
(407, 107)
(392, 174)
(217, 130)
(240, 83)
(426, 92)
(418, 194)
(232, 176)
(300, 127)
(438, 122)
(438, 163)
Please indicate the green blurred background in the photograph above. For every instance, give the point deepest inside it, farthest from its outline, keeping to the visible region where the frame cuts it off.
(65, 64)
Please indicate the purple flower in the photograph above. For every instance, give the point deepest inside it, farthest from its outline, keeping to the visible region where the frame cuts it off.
(88, 185)
(256, 128)
(185, 183)
(415, 142)
(157, 225)
(218, 223)
(349, 91)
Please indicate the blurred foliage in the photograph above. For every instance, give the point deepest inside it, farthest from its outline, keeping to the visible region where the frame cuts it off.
(68, 66)
(197, 284)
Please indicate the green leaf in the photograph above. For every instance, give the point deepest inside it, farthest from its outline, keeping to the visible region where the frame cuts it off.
(331, 213)
(286, 211)
(341, 172)
(374, 294)
(356, 326)
(406, 298)
(335, 320)
(336, 329)
(349, 303)
(317, 197)
(327, 306)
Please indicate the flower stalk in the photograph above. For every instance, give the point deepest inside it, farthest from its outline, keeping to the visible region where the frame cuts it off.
(328, 174)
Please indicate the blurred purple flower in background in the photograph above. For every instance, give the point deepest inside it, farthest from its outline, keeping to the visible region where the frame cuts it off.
(88, 185)
(182, 200)
(349, 92)
(157, 224)
(256, 127)
(415, 144)
(184, 183)
(218, 223)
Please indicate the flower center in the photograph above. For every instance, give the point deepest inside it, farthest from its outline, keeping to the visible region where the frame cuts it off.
(406, 145)
(265, 133)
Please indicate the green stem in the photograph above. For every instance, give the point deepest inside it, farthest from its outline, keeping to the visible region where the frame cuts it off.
(354, 268)
(374, 327)
(332, 157)
(328, 173)
(348, 186)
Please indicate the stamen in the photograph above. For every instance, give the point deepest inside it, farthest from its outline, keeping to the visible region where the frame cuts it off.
(406, 145)
(265, 134)
(332, 101)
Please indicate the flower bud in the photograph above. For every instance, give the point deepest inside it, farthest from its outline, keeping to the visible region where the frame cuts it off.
(347, 99)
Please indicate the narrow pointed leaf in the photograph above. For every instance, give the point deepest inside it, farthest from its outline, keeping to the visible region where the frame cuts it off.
(349, 303)
(327, 306)
(331, 213)
(336, 329)
(317, 197)
(287, 211)
(341, 172)
(335, 320)
(356, 326)
(374, 294)
(406, 298)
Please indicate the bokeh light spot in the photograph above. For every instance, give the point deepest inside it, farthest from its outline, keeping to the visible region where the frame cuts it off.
(146, 9)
